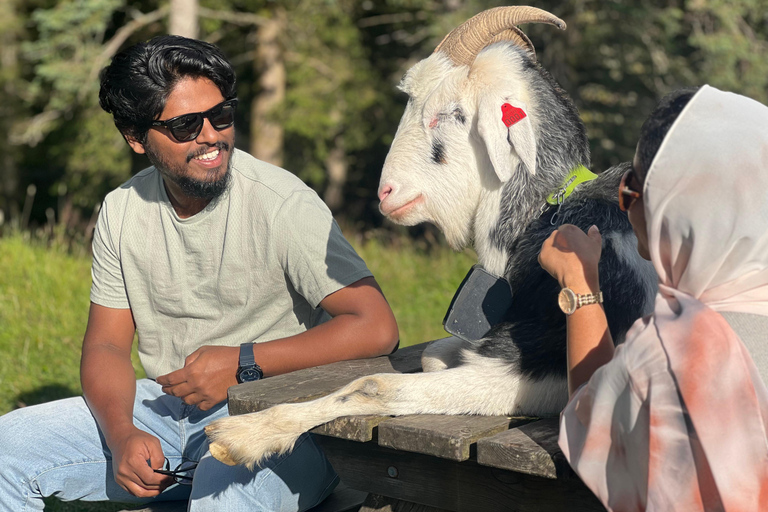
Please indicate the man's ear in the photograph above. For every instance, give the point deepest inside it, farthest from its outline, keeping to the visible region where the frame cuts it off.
(136, 146)
(505, 127)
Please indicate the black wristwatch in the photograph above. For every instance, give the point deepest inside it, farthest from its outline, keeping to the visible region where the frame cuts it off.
(247, 369)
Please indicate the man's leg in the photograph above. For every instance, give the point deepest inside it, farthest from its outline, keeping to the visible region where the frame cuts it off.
(291, 483)
(56, 449)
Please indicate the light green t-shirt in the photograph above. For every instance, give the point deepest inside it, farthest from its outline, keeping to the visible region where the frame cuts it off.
(252, 266)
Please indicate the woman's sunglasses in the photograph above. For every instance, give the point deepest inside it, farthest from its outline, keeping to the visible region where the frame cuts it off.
(187, 127)
(627, 195)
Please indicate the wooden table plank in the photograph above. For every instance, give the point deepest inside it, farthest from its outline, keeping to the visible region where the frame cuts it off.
(311, 383)
(379, 503)
(531, 448)
(354, 428)
(448, 437)
(450, 485)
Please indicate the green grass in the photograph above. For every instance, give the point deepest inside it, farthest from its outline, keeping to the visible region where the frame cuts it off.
(419, 284)
(44, 299)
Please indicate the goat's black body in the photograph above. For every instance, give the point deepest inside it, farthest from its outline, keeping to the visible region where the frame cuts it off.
(532, 339)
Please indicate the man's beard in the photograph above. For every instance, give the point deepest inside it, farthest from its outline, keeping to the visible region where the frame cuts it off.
(191, 187)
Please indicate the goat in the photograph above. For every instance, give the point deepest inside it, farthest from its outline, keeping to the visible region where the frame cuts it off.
(486, 136)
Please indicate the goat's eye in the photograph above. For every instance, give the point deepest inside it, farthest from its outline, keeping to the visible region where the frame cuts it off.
(458, 114)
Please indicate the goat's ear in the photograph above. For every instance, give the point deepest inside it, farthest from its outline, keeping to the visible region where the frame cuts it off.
(506, 129)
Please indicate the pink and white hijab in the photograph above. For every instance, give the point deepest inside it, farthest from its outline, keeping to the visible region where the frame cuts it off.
(678, 419)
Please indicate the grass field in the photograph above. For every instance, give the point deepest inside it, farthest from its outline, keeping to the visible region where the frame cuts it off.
(44, 298)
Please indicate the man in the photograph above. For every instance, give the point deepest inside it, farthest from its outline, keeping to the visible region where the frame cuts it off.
(229, 269)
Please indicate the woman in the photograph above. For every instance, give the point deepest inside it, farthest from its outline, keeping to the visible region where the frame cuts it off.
(676, 418)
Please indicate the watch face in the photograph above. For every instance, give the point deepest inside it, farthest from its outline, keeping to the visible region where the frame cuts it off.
(249, 375)
(567, 301)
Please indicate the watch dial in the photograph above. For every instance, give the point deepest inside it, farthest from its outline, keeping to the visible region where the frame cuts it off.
(249, 375)
(567, 300)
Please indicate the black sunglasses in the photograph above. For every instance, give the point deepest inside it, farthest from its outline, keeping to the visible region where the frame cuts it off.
(186, 466)
(187, 127)
(627, 195)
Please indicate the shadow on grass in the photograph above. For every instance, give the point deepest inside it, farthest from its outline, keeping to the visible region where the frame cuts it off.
(47, 393)
(54, 505)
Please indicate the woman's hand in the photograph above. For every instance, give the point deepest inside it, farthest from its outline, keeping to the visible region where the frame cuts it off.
(571, 256)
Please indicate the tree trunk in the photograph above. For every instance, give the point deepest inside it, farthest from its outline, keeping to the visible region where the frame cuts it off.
(182, 18)
(337, 167)
(266, 132)
(9, 60)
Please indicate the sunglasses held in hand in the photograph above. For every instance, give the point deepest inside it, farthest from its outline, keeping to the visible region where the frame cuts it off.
(187, 127)
(183, 472)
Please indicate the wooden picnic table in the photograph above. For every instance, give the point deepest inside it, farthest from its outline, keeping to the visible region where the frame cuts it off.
(426, 463)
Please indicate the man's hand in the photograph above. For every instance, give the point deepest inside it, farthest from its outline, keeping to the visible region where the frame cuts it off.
(571, 256)
(207, 374)
(134, 456)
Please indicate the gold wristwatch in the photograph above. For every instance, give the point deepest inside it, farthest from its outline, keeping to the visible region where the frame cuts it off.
(570, 301)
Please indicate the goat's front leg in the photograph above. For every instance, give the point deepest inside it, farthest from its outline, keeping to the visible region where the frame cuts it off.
(251, 438)
(485, 386)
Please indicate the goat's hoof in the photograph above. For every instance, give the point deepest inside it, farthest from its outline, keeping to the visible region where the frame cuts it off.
(221, 454)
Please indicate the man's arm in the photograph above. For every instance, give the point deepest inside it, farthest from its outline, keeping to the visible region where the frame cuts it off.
(362, 325)
(109, 386)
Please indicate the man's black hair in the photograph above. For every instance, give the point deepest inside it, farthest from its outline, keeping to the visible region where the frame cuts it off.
(136, 85)
(657, 125)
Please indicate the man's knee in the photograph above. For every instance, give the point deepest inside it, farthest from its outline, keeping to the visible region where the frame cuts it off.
(17, 432)
(40, 432)
(290, 483)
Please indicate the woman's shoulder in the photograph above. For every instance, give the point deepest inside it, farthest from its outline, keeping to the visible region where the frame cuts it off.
(642, 357)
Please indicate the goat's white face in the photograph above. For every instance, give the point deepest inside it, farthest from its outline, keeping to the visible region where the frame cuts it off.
(452, 146)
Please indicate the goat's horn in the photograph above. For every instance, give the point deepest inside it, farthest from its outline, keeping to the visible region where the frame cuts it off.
(464, 42)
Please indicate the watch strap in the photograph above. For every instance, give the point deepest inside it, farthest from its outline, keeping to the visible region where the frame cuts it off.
(589, 298)
(246, 355)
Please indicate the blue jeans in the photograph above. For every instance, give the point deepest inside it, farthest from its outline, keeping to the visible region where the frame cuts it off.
(56, 449)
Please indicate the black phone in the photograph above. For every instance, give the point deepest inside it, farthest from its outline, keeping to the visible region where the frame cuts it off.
(481, 302)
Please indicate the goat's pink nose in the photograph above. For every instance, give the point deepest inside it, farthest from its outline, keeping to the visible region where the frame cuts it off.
(384, 192)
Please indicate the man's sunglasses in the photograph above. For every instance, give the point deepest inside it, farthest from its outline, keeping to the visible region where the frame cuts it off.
(187, 127)
(627, 195)
(183, 472)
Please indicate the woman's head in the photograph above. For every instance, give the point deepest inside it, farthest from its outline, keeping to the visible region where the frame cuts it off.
(705, 197)
(652, 134)
(656, 127)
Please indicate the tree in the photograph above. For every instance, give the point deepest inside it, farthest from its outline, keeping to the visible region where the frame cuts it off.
(316, 78)
(617, 59)
(10, 113)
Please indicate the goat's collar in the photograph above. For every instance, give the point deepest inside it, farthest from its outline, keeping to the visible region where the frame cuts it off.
(576, 177)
